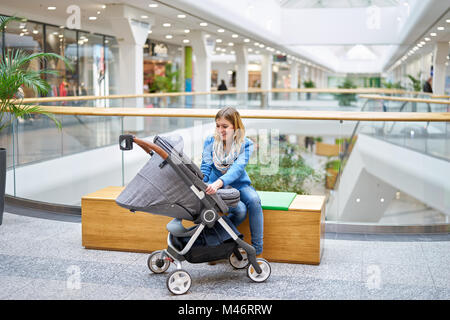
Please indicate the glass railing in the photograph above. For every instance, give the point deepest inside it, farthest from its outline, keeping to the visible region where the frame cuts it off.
(277, 98)
(357, 160)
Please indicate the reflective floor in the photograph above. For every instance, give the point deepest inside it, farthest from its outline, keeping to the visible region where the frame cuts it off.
(44, 259)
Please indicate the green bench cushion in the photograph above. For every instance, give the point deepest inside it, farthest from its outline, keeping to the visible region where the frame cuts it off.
(276, 200)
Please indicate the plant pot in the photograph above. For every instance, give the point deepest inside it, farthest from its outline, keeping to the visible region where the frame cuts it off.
(331, 178)
(2, 181)
(327, 150)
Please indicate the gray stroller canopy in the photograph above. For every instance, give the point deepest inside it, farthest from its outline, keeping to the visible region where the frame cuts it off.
(158, 189)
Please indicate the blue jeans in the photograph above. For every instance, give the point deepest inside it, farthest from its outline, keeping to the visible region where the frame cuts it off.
(250, 202)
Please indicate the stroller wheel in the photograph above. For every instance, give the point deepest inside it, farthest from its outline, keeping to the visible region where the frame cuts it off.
(236, 263)
(264, 275)
(179, 282)
(156, 264)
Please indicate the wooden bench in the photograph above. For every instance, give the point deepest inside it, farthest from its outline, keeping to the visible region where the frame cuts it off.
(293, 227)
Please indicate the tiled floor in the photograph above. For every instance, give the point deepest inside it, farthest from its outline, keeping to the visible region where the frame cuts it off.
(44, 259)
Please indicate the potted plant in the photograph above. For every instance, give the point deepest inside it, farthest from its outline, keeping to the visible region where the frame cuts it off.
(14, 75)
(415, 82)
(416, 87)
(346, 99)
(169, 82)
(309, 84)
(326, 149)
(291, 175)
(332, 171)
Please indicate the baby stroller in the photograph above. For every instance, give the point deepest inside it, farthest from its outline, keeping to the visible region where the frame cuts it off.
(171, 185)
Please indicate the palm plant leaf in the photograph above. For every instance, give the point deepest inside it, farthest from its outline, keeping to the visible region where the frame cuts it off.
(14, 74)
(4, 20)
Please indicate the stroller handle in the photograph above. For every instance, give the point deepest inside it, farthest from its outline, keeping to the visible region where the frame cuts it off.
(149, 146)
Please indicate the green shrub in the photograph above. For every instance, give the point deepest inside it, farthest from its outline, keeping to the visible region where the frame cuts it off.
(290, 176)
(346, 99)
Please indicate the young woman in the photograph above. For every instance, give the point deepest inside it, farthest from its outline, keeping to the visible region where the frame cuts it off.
(225, 155)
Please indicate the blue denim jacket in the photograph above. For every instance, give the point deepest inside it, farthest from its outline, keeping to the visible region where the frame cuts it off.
(236, 176)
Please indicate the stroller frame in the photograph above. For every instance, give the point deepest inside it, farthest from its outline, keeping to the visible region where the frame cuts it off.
(159, 261)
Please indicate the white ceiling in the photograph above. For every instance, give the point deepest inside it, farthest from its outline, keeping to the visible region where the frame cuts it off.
(351, 49)
(301, 4)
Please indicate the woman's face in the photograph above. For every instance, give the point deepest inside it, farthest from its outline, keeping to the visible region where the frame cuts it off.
(225, 129)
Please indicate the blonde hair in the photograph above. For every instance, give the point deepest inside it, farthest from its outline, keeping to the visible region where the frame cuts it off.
(232, 115)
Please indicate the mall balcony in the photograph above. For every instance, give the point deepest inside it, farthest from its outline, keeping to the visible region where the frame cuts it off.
(339, 115)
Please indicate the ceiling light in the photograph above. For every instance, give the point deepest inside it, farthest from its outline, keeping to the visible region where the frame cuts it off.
(187, 30)
(250, 49)
(153, 5)
(144, 17)
(92, 18)
(230, 44)
(203, 24)
(186, 41)
(220, 30)
(150, 31)
(103, 6)
(440, 28)
(35, 31)
(181, 16)
(422, 43)
(166, 25)
(98, 12)
(433, 34)
(235, 36)
(246, 40)
(169, 36)
(51, 8)
(219, 40)
(448, 20)
(427, 39)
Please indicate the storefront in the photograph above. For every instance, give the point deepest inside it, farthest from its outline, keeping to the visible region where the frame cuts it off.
(94, 57)
(162, 67)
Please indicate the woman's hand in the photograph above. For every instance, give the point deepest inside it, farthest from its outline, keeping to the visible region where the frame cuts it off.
(213, 187)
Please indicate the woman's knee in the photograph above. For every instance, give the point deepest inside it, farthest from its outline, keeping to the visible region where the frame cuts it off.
(250, 197)
(239, 213)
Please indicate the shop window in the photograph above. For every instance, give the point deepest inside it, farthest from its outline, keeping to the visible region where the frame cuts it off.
(63, 42)
(26, 36)
(92, 64)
